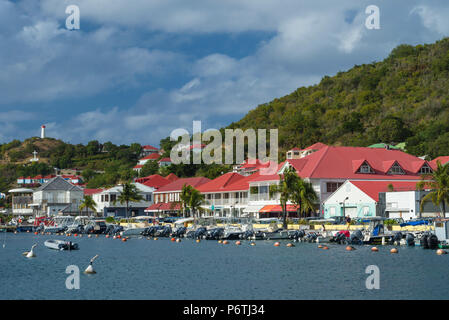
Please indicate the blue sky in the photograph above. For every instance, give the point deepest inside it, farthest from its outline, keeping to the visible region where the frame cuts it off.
(138, 69)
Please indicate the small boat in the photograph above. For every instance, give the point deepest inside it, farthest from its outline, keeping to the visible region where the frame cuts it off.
(61, 245)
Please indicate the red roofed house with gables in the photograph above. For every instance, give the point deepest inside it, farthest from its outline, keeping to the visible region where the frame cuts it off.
(166, 198)
(329, 167)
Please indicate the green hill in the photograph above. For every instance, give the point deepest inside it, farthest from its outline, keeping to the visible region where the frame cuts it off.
(403, 98)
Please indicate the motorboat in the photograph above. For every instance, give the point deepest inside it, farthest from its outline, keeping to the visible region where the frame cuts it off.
(58, 224)
(61, 245)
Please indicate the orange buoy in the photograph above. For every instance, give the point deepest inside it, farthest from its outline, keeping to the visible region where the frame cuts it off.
(124, 239)
(374, 249)
(320, 246)
(238, 243)
(277, 244)
(325, 248)
(35, 233)
(290, 245)
(75, 235)
(440, 252)
(178, 240)
(394, 250)
(225, 242)
(107, 236)
(96, 236)
(119, 236)
(198, 240)
(350, 248)
(220, 241)
(253, 243)
(173, 239)
(155, 238)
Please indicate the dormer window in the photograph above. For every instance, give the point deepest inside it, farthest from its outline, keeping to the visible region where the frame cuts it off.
(365, 168)
(396, 169)
(425, 169)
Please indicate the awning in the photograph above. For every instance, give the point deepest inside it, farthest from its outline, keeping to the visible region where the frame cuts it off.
(278, 208)
(250, 209)
(157, 207)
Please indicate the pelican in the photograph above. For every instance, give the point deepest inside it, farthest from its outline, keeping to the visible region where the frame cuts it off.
(90, 268)
(30, 254)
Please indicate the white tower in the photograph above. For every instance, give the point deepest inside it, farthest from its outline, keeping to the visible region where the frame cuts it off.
(42, 132)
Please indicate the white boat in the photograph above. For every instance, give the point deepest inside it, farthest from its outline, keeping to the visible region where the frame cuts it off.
(60, 223)
(61, 245)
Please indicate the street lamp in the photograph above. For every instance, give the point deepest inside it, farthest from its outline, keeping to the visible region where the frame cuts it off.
(343, 203)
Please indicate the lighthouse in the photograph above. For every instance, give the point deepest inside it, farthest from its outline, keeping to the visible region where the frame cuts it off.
(43, 132)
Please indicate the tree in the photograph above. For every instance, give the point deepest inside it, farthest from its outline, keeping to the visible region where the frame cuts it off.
(88, 203)
(285, 189)
(196, 199)
(185, 198)
(438, 182)
(129, 193)
(149, 168)
(304, 196)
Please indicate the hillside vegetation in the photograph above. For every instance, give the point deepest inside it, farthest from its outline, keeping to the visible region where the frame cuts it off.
(403, 98)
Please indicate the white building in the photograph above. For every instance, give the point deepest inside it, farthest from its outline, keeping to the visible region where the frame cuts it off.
(107, 201)
(57, 196)
(406, 205)
(21, 200)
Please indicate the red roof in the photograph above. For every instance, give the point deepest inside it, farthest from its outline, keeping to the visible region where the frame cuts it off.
(148, 147)
(295, 149)
(172, 177)
(219, 184)
(339, 162)
(372, 188)
(178, 184)
(138, 166)
(316, 146)
(155, 181)
(89, 192)
(442, 159)
(165, 160)
(153, 156)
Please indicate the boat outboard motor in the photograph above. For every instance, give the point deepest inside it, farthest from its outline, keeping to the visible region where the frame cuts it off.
(311, 237)
(179, 232)
(199, 233)
(356, 237)
(423, 241)
(396, 238)
(410, 240)
(432, 241)
(247, 235)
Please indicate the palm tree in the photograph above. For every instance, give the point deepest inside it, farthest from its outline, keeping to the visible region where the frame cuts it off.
(185, 197)
(285, 189)
(304, 196)
(129, 193)
(88, 203)
(438, 181)
(196, 199)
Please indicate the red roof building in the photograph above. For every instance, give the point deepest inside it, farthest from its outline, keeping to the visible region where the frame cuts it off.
(156, 181)
(443, 160)
(172, 177)
(170, 192)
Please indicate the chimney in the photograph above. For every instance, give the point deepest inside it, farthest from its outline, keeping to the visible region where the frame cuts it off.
(43, 132)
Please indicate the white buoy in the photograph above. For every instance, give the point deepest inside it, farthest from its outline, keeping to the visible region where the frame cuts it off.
(90, 268)
(31, 254)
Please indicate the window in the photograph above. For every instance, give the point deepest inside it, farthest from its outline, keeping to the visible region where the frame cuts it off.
(333, 186)
(396, 169)
(113, 197)
(425, 169)
(366, 211)
(365, 168)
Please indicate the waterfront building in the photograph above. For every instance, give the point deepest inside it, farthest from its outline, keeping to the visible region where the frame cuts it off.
(166, 198)
(359, 199)
(107, 203)
(329, 167)
(57, 196)
(21, 200)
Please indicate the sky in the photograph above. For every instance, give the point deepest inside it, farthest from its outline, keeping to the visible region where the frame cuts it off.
(136, 70)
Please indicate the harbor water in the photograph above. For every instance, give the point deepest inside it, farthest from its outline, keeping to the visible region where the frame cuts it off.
(162, 269)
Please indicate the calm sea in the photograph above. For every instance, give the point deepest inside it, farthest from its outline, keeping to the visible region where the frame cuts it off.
(149, 269)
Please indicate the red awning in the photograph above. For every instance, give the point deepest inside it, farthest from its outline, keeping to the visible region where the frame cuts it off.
(278, 208)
